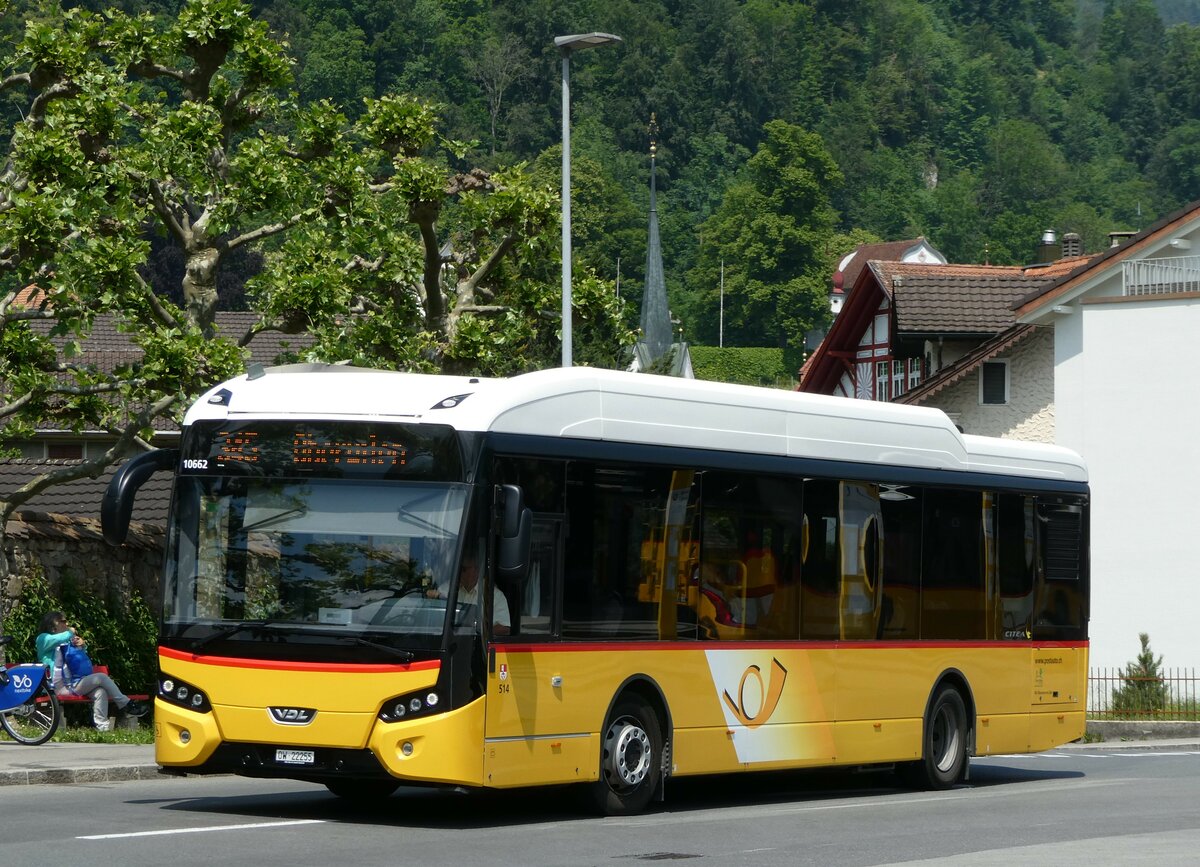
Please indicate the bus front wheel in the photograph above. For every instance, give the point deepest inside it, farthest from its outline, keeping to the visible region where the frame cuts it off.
(630, 759)
(943, 745)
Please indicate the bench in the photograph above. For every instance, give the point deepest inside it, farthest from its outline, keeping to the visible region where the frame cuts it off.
(98, 669)
(68, 701)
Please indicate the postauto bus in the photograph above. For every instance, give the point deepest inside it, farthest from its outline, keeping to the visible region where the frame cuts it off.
(583, 576)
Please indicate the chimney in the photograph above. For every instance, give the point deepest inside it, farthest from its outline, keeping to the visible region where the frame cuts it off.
(1116, 239)
(1048, 249)
(1072, 245)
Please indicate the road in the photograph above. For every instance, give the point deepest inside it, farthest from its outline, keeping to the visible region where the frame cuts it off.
(1068, 808)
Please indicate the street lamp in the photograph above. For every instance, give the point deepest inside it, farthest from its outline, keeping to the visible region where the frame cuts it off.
(566, 45)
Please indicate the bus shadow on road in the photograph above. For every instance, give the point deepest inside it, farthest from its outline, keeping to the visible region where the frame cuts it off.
(471, 810)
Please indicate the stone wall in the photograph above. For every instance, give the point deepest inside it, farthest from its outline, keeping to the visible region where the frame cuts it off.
(73, 548)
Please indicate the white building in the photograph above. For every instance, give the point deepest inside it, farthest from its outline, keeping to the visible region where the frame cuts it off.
(1126, 397)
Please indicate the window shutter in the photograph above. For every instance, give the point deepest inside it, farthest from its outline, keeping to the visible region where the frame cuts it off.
(994, 389)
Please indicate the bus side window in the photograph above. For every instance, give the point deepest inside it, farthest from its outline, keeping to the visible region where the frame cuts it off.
(533, 603)
(1060, 612)
(953, 601)
(900, 506)
(1016, 563)
(821, 570)
(537, 594)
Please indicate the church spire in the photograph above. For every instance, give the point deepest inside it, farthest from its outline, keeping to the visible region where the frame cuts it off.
(656, 316)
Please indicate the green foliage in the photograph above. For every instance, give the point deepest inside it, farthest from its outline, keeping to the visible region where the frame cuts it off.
(745, 365)
(120, 634)
(1144, 693)
(768, 239)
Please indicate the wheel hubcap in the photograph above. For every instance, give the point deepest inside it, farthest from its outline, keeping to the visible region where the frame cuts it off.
(627, 747)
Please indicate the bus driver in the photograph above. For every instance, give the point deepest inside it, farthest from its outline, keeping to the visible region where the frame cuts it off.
(468, 594)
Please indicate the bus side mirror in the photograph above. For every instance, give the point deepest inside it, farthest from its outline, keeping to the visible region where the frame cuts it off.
(117, 505)
(512, 549)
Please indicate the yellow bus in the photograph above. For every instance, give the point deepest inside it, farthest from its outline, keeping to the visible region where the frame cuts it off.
(584, 576)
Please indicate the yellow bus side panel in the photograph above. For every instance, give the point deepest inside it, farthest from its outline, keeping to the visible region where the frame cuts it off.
(1059, 677)
(549, 760)
(1001, 733)
(874, 741)
(1054, 728)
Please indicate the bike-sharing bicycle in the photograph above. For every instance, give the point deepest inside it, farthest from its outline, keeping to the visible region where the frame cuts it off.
(29, 710)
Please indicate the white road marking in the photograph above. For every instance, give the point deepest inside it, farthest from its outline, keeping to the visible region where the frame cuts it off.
(169, 831)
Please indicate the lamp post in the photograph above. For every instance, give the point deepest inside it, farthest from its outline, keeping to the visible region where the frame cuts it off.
(566, 45)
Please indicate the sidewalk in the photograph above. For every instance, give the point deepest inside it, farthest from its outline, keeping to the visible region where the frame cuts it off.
(74, 763)
(64, 764)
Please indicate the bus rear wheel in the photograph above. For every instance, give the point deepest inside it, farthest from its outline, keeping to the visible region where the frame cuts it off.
(630, 759)
(943, 746)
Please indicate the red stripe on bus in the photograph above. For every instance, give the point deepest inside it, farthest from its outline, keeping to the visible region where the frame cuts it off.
(598, 646)
(285, 665)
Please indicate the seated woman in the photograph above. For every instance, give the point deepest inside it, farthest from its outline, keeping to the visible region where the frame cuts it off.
(54, 632)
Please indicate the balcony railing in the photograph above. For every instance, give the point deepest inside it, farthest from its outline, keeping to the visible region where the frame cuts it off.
(1170, 695)
(1162, 276)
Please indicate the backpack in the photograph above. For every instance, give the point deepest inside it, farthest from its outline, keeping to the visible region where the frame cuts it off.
(76, 663)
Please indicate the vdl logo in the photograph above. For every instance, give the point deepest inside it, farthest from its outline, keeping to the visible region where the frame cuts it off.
(292, 716)
(750, 716)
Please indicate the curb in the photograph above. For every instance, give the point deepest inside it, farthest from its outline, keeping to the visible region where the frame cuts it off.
(71, 776)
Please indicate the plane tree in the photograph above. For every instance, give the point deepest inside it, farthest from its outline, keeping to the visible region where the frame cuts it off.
(379, 238)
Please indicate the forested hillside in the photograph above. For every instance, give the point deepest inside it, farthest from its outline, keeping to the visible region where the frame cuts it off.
(789, 129)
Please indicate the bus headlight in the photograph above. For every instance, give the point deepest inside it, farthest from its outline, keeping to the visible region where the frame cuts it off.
(176, 692)
(410, 705)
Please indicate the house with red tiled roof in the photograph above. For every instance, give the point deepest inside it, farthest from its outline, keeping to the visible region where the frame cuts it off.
(911, 331)
(914, 250)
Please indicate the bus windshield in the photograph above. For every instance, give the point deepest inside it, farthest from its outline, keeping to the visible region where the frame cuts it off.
(331, 565)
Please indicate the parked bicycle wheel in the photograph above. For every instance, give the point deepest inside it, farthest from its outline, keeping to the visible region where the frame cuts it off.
(35, 721)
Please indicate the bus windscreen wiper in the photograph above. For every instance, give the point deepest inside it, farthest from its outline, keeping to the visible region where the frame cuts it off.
(405, 655)
(230, 630)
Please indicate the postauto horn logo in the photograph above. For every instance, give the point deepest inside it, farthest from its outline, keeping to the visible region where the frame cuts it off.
(759, 711)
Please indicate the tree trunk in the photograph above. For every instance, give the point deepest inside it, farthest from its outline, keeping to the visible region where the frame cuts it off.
(200, 287)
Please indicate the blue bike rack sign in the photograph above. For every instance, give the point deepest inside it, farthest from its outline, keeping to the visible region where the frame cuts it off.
(23, 680)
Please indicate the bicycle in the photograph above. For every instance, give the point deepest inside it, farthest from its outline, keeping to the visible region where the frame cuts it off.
(29, 710)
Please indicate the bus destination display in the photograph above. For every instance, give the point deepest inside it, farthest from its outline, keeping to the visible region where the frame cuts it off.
(330, 450)
(313, 450)
(320, 451)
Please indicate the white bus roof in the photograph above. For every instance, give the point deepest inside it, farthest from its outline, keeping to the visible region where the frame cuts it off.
(589, 403)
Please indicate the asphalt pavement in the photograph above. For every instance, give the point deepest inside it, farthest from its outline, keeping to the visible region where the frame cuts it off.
(66, 763)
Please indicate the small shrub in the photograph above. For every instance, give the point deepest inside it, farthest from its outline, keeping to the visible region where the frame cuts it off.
(1144, 692)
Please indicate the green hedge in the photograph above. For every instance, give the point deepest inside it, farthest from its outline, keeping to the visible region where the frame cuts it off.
(748, 365)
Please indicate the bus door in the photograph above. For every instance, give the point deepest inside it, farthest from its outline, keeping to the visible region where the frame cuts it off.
(529, 738)
(1059, 626)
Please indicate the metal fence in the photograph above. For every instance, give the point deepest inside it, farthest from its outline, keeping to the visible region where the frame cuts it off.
(1170, 695)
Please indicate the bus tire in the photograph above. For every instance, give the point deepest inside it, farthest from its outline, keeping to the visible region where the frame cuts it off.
(362, 791)
(631, 753)
(943, 759)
